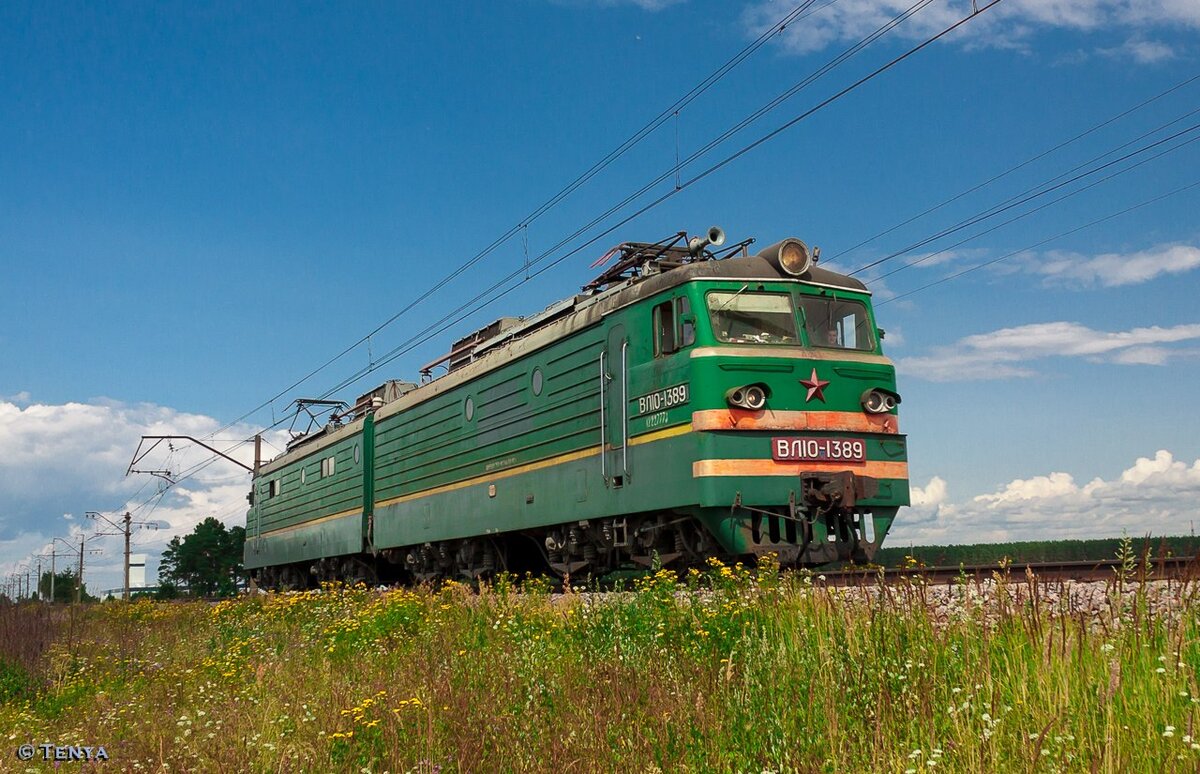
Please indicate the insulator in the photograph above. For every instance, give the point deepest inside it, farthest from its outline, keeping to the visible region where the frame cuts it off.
(573, 539)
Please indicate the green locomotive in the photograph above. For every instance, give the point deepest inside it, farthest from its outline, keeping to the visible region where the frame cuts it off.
(688, 403)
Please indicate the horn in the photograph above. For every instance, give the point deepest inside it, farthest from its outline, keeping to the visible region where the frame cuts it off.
(714, 237)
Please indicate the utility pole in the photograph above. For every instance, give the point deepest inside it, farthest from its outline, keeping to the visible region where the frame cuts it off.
(79, 580)
(125, 527)
(127, 520)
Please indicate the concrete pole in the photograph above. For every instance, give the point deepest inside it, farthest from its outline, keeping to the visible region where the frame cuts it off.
(52, 557)
(79, 580)
(128, 528)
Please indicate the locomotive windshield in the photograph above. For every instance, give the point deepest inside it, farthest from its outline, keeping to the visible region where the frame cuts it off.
(753, 318)
(836, 322)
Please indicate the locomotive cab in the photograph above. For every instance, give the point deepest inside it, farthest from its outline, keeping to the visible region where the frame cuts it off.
(795, 407)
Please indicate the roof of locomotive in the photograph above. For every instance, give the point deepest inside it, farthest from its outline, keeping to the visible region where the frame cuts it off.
(747, 267)
(569, 315)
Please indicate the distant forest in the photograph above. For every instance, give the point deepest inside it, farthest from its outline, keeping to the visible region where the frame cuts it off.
(1035, 551)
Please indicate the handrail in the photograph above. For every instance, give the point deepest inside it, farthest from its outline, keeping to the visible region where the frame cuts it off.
(603, 438)
(624, 411)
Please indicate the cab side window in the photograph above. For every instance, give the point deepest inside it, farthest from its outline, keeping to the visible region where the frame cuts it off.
(664, 329)
(687, 323)
(674, 326)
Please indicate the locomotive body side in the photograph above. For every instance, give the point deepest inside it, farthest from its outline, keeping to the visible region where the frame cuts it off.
(606, 437)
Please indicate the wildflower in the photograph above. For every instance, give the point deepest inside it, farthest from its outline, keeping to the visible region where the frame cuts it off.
(1169, 731)
(1160, 670)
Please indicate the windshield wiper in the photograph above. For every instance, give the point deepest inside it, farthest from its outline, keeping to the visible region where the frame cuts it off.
(731, 298)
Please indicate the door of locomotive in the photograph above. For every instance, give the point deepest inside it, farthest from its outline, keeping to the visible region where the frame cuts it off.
(614, 421)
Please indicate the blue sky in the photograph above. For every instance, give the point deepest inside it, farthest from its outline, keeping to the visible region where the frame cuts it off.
(200, 204)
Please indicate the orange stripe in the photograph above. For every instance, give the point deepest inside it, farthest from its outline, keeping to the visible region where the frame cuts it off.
(872, 468)
(740, 419)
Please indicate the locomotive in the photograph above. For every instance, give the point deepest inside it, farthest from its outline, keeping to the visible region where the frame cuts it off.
(690, 402)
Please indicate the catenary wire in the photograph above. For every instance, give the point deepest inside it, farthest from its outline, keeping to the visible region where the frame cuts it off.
(710, 170)
(1040, 243)
(777, 28)
(1123, 114)
(1034, 210)
(1027, 195)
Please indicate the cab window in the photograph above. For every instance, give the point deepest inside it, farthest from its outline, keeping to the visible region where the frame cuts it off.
(687, 323)
(664, 329)
(837, 322)
(674, 326)
(739, 317)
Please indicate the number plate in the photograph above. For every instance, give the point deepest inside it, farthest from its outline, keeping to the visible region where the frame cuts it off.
(849, 450)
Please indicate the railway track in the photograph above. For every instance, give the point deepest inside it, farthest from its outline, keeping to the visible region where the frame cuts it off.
(1163, 568)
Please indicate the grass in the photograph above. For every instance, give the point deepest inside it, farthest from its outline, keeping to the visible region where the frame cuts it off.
(726, 670)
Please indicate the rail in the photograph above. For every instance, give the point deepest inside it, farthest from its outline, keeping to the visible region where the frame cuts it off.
(1158, 568)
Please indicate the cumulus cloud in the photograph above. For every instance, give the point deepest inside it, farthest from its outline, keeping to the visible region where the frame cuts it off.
(931, 495)
(1010, 24)
(1009, 352)
(1157, 495)
(1111, 270)
(70, 458)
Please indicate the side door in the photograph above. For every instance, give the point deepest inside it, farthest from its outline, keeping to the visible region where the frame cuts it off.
(614, 408)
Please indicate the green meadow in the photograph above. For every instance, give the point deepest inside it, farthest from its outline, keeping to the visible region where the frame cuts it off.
(731, 669)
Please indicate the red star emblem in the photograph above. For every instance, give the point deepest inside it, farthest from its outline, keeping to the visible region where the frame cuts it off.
(816, 387)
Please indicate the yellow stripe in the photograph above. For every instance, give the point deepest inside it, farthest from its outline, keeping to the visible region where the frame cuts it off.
(768, 467)
(312, 523)
(658, 435)
(532, 466)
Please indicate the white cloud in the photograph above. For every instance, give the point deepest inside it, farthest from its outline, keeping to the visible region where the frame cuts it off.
(1008, 352)
(1111, 269)
(71, 457)
(931, 495)
(1142, 51)
(1156, 495)
(1011, 24)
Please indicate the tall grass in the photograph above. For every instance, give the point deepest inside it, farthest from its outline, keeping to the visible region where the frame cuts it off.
(726, 670)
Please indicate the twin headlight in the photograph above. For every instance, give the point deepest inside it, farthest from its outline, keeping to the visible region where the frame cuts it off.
(752, 397)
(877, 401)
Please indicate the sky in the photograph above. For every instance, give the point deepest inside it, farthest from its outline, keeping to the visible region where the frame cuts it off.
(208, 210)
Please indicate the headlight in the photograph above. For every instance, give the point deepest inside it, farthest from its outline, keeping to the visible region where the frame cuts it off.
(752, 397)
(791, 256)
(879, 401)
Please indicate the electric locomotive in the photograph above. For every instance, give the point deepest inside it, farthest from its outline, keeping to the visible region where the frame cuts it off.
(690, 402)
